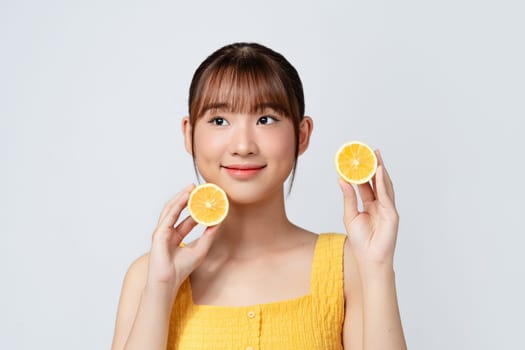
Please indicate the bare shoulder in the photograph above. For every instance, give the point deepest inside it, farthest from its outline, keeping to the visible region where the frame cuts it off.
(132, 287)
(139, 268)
(134, 281)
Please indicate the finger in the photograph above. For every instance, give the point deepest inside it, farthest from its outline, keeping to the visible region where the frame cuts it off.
(378, 156)
(174, 200)
(183, 229)
(366, 193)
(385, 196)
(380, 161)
(173, 212)
(389, 185)
(349, 200)
(205, 240)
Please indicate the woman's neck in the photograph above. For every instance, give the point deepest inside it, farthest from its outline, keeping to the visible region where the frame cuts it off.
(253, 228)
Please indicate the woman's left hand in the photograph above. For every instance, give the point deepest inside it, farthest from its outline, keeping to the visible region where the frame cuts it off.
(373, 231)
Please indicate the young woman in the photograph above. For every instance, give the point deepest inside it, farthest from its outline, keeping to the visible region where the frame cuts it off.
(257, 280)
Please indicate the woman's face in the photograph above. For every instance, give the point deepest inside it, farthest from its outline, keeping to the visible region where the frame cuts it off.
(248, 154)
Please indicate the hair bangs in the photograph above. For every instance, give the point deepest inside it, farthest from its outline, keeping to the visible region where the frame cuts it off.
(249, 87)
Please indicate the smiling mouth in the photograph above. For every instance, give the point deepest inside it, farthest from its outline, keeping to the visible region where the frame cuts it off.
(243, 172)
(244, 167)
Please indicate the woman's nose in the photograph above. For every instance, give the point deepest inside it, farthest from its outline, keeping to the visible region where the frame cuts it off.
(242, 141)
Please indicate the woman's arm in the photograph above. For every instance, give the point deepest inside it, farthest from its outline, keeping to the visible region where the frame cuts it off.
(372, 319)
(143, 312)
(353, 323)
(152, 282)
(382, 322)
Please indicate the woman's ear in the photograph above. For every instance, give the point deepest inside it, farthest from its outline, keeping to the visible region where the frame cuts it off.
(305, 131)
(186, 131)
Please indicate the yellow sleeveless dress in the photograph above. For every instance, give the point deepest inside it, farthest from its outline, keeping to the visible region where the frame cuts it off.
(313, 321)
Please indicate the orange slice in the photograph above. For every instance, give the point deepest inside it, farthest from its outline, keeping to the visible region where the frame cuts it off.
(355, 162)
(208, 204)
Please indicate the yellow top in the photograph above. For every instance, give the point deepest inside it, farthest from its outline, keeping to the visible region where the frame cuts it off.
(313, 321)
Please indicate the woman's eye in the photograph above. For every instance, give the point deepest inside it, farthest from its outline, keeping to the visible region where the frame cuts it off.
(219, 121)
(264, 120)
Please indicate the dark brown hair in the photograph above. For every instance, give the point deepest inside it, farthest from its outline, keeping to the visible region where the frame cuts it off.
(246, 76)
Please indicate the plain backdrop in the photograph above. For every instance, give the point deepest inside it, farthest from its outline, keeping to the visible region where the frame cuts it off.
(91, 98)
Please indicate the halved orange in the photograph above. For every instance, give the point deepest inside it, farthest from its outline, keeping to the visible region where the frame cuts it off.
(355, 162)
(208, 204)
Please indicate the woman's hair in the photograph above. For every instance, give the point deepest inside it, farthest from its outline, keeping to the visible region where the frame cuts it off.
(247, 77)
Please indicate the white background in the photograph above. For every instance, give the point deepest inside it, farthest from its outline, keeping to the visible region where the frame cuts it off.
(91, 98)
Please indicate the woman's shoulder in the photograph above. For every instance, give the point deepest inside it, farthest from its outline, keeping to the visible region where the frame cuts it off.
(137, 272)
(140, 263)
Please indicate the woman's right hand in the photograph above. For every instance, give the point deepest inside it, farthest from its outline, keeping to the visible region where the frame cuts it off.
(169, 263)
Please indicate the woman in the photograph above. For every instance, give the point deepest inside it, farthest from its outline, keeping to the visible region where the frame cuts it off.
(257, 280)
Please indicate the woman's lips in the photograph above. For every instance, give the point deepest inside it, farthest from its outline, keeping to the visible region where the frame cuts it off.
(243, 172)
